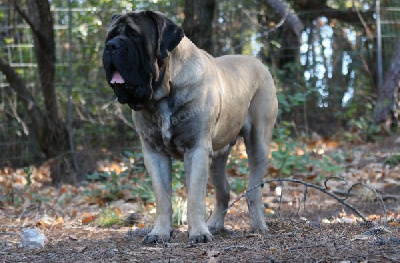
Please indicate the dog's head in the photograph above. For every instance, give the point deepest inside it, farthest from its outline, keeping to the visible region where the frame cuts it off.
(135, 42)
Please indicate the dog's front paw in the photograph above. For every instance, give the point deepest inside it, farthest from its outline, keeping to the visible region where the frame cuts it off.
(157, 236)
(201, 238)
(260, 229)
(150, 239)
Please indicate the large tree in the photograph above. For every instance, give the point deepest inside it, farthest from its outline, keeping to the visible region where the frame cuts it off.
(199, 17)
(386, 111)
(46, 124)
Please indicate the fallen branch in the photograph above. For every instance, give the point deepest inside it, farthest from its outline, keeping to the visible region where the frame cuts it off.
(323, 189)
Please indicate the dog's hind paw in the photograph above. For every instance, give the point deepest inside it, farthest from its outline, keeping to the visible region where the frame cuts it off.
(202, 238)
(150, 239)
(220, 231)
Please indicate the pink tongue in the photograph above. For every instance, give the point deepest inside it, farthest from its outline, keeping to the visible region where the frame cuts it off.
(117, 78)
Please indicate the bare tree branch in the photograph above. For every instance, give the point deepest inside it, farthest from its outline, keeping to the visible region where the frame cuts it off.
(25, 16)
(283, 9)
(350, 15)
(18, 85)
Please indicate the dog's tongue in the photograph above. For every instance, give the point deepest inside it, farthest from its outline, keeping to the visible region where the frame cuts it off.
(117, 78)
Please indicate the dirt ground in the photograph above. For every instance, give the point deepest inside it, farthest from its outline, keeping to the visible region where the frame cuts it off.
(291, 238)
(320, 230)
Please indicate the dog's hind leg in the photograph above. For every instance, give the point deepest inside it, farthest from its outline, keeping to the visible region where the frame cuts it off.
(257, 133)
(221, 187)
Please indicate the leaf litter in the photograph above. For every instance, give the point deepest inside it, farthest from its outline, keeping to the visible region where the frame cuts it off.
(106, 218)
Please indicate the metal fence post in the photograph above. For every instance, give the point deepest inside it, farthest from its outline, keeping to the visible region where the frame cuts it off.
(379, 44)
(71, 84)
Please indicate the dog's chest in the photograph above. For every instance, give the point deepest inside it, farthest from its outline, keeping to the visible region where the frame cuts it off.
(169, 129)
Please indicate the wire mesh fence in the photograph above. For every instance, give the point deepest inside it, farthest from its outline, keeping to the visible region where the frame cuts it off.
(98, 121)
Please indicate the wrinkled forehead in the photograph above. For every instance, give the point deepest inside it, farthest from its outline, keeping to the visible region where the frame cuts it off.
(136, 20)
(135, 24)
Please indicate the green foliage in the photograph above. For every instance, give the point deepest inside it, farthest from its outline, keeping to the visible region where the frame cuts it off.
(17, 196)
(179, 207)
(288, 101)
(112, 189)
(142, 188)
(138, 181)
(239, 185)
(362, 129)
(178, 175)
(393, 160)
(238, 164)
(285, 158)
(288, 161)
(108, 217)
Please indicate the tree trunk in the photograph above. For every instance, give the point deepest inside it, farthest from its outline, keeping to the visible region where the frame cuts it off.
(199, 16)
(386, 109)
(47, 126)
(338, 84)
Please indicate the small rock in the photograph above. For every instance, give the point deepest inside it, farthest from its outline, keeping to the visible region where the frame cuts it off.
(132, 218)
(140, 232)
(378, 230)
(127, 208)
(32, 238)
(325, 221)
(348, 220)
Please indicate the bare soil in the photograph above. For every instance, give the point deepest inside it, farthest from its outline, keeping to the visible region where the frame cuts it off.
(319, 230)
(291, 238)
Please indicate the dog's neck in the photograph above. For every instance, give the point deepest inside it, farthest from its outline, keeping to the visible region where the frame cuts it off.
(161, 86)
(186, 67)
(181, 69)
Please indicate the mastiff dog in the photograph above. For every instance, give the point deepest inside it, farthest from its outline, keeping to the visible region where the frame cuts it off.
(188, 104)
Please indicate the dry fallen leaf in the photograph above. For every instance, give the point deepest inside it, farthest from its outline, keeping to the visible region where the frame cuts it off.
(117, 212)
(141, 225)
(72, 237)
(394, 223)
(269, 211)
(87, 218)
(79, 249)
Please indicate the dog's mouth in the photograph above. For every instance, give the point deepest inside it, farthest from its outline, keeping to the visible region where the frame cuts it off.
(134, 95)
(117, 78)
(118, 83)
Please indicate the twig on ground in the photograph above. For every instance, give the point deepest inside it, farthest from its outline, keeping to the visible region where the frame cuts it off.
(235, 247)
(323, 190)
(280, 198)
(305, 197)
(378, 197)
(303, 247)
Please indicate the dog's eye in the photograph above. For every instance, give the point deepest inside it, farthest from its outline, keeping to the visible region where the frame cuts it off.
(132, 34)
(111, 35)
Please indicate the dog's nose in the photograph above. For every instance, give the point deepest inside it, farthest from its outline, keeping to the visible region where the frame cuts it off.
(113, 44)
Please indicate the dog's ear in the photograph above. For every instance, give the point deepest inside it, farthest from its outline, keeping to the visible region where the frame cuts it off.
(169, 34)
(114, 18)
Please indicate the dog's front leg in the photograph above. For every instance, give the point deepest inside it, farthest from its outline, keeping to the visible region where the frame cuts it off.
(159, 168)
(197, 163)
